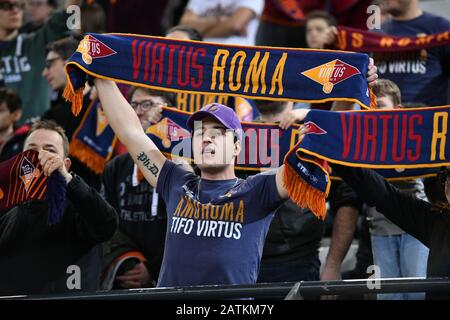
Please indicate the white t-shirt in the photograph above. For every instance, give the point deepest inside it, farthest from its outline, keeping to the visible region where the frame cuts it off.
(215, 8)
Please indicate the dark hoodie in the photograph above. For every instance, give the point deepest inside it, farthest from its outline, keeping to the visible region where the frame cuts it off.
(35, 257)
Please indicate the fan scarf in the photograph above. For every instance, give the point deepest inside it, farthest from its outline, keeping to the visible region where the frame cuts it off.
(22, 179)
(198, 67)
(413, 138)
(387, 141)
(365, 41)
(391, 139)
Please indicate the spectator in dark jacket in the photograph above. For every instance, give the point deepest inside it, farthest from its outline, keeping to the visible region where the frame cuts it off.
(37, 258)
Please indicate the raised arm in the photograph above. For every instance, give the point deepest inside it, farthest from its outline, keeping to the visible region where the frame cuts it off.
(413, 215)
(128, 129)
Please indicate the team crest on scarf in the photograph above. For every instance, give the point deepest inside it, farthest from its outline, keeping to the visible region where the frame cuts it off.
(331, 73)
(92, 48)
(168, 131)
(314, 128)
(28, 173)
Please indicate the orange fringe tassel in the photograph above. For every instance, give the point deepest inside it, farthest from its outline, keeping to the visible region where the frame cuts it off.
(303, 194)
(75, 97)
(82, 152)
(373, 99)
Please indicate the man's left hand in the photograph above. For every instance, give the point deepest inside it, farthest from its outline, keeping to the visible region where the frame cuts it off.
(138, 277)
(372, 74)
(51, 162)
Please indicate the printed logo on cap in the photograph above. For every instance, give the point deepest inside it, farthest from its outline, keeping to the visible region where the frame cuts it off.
(212, 108)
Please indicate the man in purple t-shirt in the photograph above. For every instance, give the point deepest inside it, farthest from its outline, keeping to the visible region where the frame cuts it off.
(216, 222)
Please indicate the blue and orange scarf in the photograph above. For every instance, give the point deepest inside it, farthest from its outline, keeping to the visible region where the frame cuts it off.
(385, 140)
(382, 140)
(197, 67)
(395, 139)
(265, 145)
(21, 179)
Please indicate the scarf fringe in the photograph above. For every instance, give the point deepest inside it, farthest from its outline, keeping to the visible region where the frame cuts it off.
(75, 97)
(82, 152)
(373, 99)
(304, 195)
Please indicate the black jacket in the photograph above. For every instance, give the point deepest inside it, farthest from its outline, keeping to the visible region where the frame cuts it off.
(142, 223)
(415, 216)
(34, 257)
(294, 233)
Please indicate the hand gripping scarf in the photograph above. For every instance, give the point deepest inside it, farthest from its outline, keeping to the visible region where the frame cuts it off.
(392, 139)
(21, 179)
(197, 67)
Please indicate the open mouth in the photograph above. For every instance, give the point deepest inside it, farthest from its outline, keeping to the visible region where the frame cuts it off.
(208, 151)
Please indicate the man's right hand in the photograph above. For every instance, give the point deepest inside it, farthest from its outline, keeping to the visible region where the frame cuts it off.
(330, 273)
(138, 277)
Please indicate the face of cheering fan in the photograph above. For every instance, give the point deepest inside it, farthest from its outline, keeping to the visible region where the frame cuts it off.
(214, 146)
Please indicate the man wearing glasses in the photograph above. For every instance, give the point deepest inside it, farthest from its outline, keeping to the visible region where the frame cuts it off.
(23, 55)
(132, 259)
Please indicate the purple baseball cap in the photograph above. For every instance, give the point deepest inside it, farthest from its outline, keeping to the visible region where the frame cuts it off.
(225, 115)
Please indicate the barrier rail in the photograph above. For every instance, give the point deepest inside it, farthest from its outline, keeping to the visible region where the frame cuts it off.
(288, 290)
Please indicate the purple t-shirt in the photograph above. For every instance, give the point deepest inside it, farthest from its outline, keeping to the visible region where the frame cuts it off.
(420, 80)
(215, 228)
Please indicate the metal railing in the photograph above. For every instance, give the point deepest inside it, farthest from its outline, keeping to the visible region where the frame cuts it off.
(287, 290)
